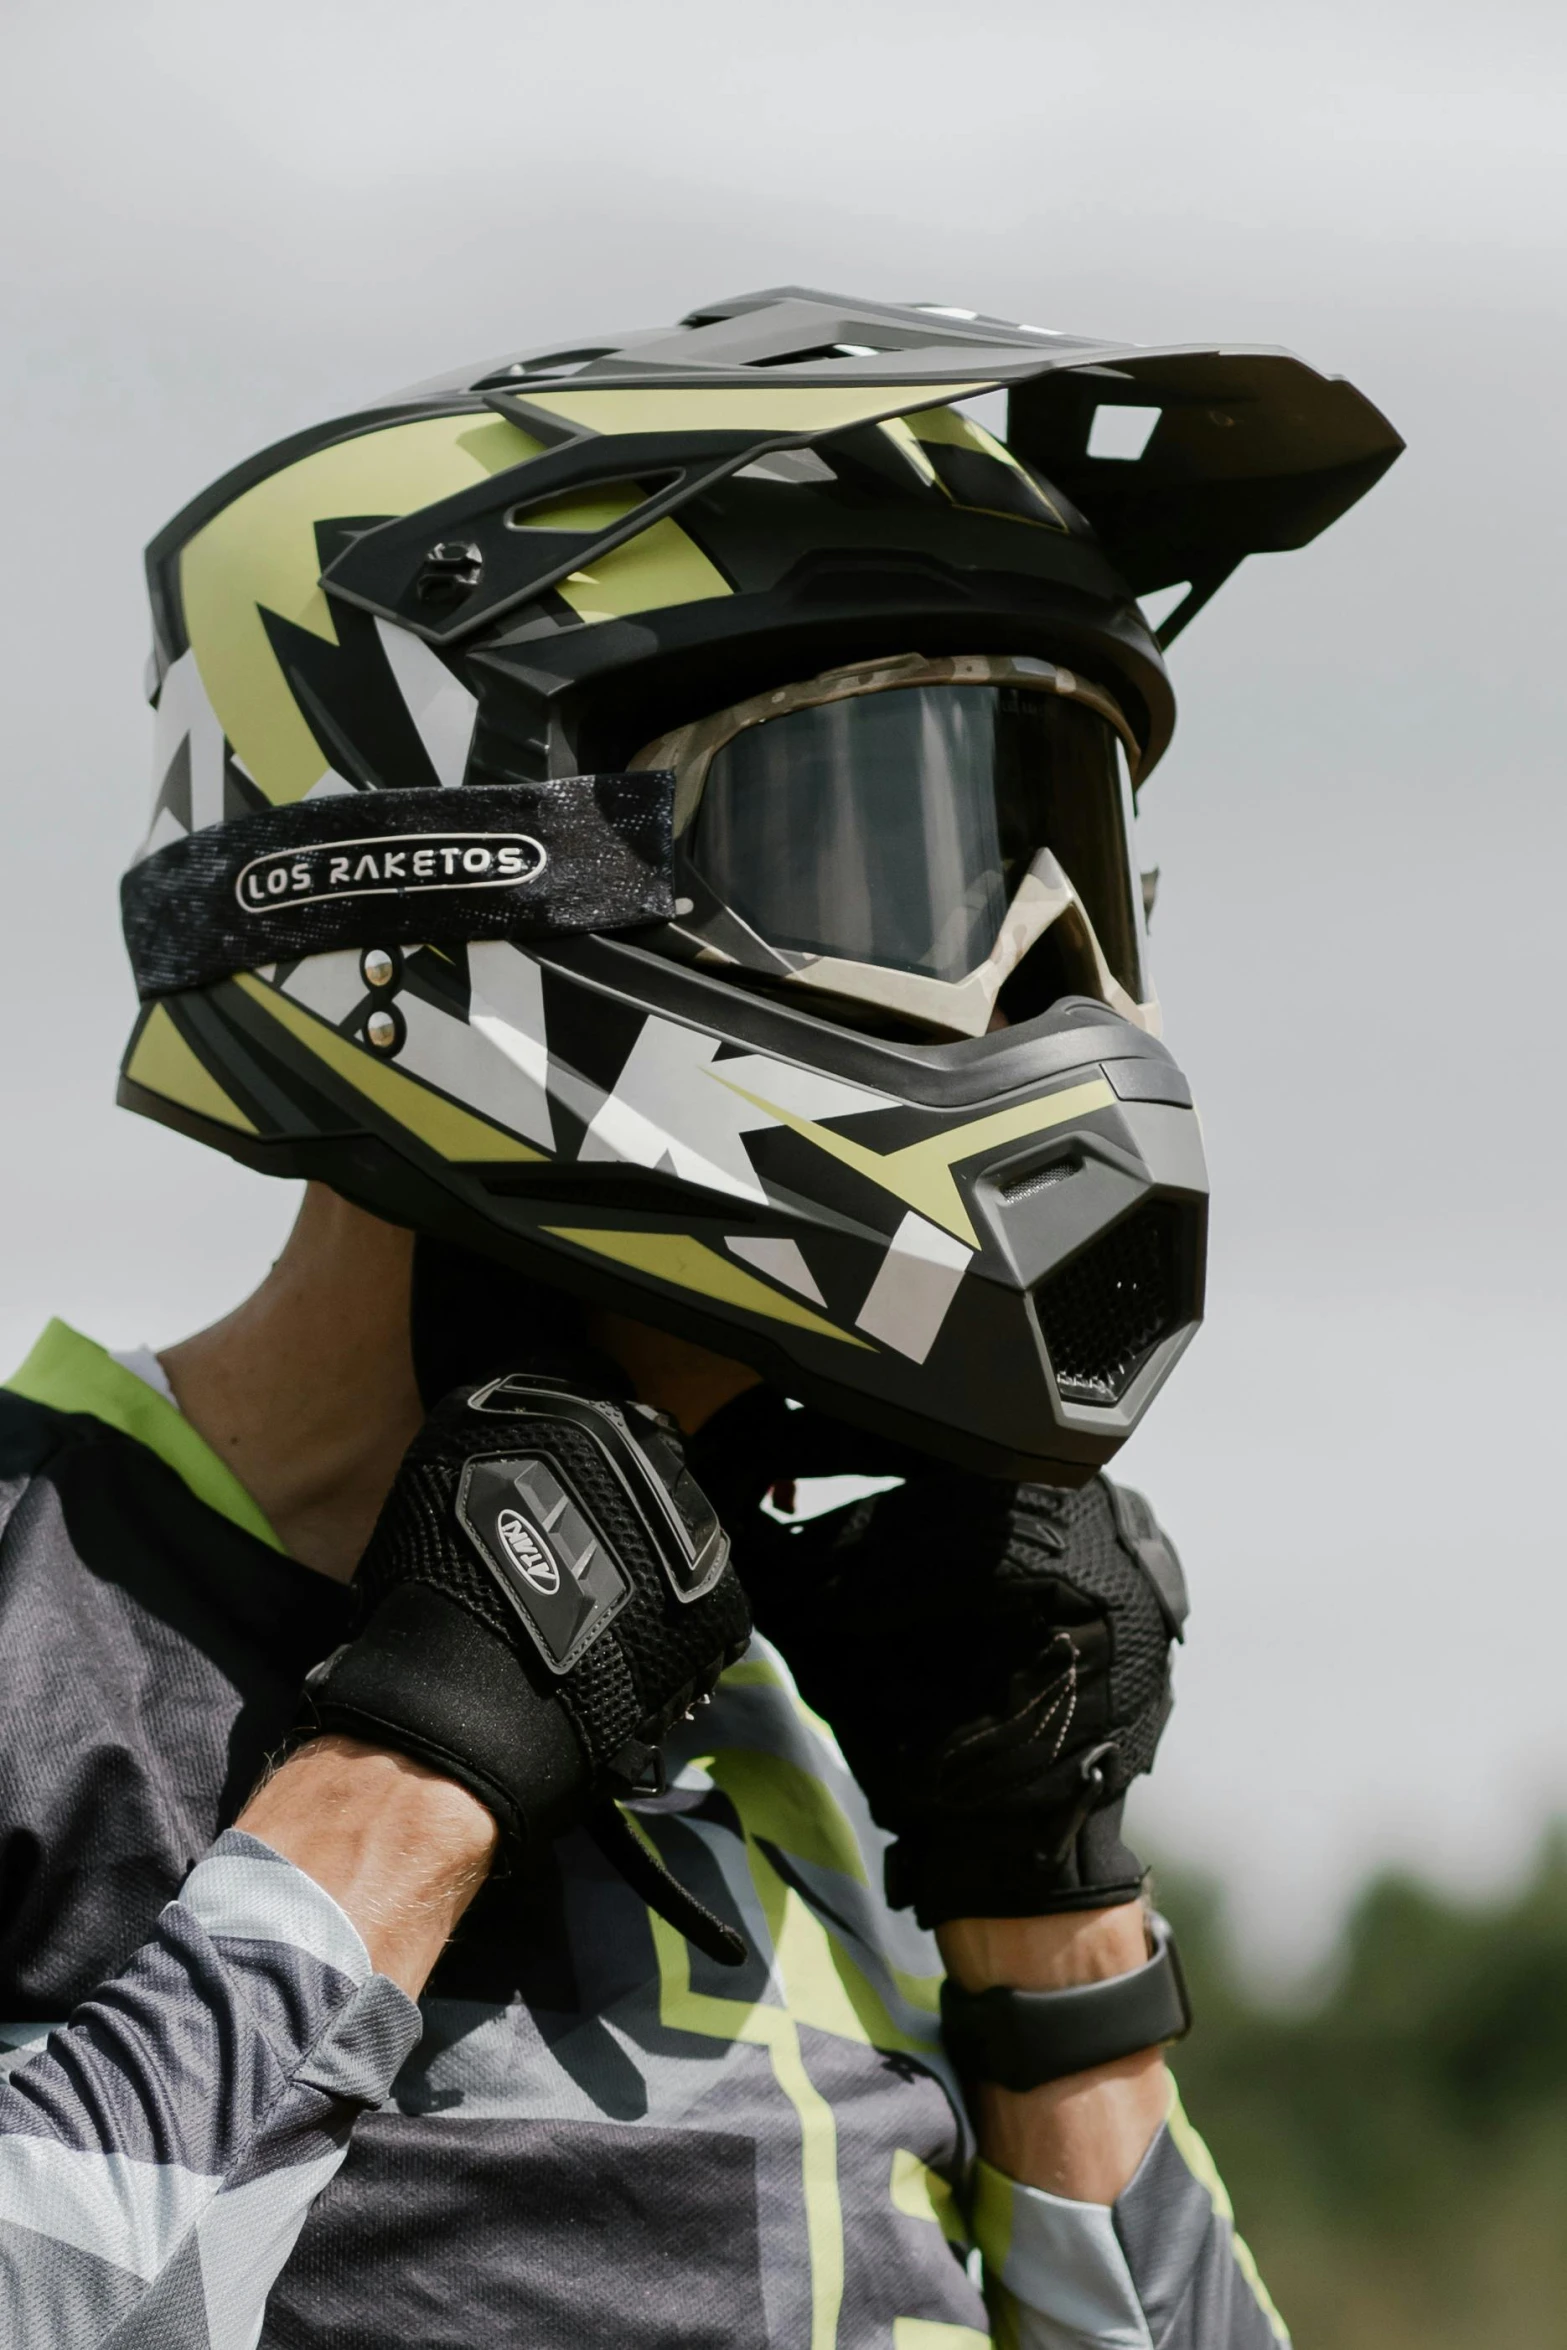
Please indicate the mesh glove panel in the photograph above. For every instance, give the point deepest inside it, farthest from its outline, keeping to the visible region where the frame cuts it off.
(545, 1593)
(994, 1660)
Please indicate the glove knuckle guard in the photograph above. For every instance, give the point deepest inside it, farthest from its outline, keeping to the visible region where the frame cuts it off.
(546, 1591)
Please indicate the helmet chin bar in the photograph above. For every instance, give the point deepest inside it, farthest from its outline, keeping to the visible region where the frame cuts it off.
(956, 1007)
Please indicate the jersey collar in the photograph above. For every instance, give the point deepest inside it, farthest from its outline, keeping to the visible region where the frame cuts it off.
(69, 1373)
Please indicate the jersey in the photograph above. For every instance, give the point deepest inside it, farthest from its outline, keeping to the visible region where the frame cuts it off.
(219, 2127)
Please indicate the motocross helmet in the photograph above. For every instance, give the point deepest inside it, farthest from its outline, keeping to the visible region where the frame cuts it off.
(659, 814)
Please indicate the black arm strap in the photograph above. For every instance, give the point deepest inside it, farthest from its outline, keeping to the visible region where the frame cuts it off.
(1021, 2039)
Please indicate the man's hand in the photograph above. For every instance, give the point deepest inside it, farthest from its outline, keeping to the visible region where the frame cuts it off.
(546, 1592)
(995, 1663)
(994, 1660)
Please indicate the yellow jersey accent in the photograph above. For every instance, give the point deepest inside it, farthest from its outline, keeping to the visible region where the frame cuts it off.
(791, 1807)
(688, 1263)
(931, 2333)
(1194, 2153)
(69, 1373)
(449, 1130)
(683, 2010)
(922, 2193)
(754, 1672)
(162, 1061)
(801, 1816)
(815, 1984)
(920, 1174)
(990, 2214)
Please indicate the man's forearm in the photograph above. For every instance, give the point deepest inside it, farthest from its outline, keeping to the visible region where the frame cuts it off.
(1082, 2137)
(401, 1850)
(240, 2044)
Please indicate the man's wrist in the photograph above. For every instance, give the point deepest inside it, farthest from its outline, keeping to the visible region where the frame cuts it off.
(401, 1849)
(1081, 2136)
(1048, 1953)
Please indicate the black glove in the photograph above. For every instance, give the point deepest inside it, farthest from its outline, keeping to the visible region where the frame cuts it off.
(547, 1591)
(994, 1660)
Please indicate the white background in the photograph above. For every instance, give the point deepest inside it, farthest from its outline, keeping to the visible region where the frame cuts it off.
(220, 223)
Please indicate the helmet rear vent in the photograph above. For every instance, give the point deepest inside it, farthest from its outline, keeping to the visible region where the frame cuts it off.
(1108, 1307)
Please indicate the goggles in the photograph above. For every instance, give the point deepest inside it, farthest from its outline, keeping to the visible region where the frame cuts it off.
(904, 833)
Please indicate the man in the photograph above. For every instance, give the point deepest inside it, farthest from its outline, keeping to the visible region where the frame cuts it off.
(653, 822)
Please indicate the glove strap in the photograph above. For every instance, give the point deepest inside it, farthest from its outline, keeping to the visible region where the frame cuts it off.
(1021, 2039)
(647, 1876)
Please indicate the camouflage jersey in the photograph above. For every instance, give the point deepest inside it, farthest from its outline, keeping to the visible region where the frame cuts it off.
(220, 2128)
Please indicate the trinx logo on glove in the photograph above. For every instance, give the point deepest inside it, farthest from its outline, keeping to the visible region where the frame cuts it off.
(392, 865)
(554, 1565)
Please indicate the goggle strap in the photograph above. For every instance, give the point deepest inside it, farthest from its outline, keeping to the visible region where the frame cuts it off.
(397, 868)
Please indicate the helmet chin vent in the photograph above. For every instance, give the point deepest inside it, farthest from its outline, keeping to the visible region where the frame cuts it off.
(1106, 1310)
(1041, 1179)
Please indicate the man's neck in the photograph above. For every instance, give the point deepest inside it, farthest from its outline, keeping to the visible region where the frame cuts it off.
(307, 1390)
(688, 1381)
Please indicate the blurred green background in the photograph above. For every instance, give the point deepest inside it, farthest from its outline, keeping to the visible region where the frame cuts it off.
(1397, 2147)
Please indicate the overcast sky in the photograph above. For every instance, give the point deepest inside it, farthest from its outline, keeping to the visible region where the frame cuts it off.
(222, 223)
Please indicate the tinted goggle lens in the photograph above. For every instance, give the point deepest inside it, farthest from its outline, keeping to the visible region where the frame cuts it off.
(895, 827)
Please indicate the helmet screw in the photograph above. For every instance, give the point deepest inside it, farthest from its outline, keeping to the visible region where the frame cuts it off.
(378, 968)
(382, 1029)
(452, 568)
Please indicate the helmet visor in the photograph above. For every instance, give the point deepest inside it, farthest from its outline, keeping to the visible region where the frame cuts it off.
(896, 827)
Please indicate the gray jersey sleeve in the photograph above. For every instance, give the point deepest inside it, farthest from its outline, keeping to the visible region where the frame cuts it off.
(160, 2151)
(1160, 2269)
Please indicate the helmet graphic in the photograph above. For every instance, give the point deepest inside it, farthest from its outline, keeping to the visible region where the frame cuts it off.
(659, 813)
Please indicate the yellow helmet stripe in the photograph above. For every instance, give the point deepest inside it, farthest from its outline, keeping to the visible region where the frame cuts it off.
(260, 554)
(161, 1060)
(921, 1172)
(687, 1263)
(662, 565)
(451, 1132)
(949, 428)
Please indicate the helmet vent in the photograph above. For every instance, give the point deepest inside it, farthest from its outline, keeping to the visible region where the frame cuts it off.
(788, 465)
(1106, 1310)
(1041, 1179)
(549, 363)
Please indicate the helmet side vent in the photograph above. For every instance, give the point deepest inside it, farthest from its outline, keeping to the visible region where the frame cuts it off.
(1041, 1179)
